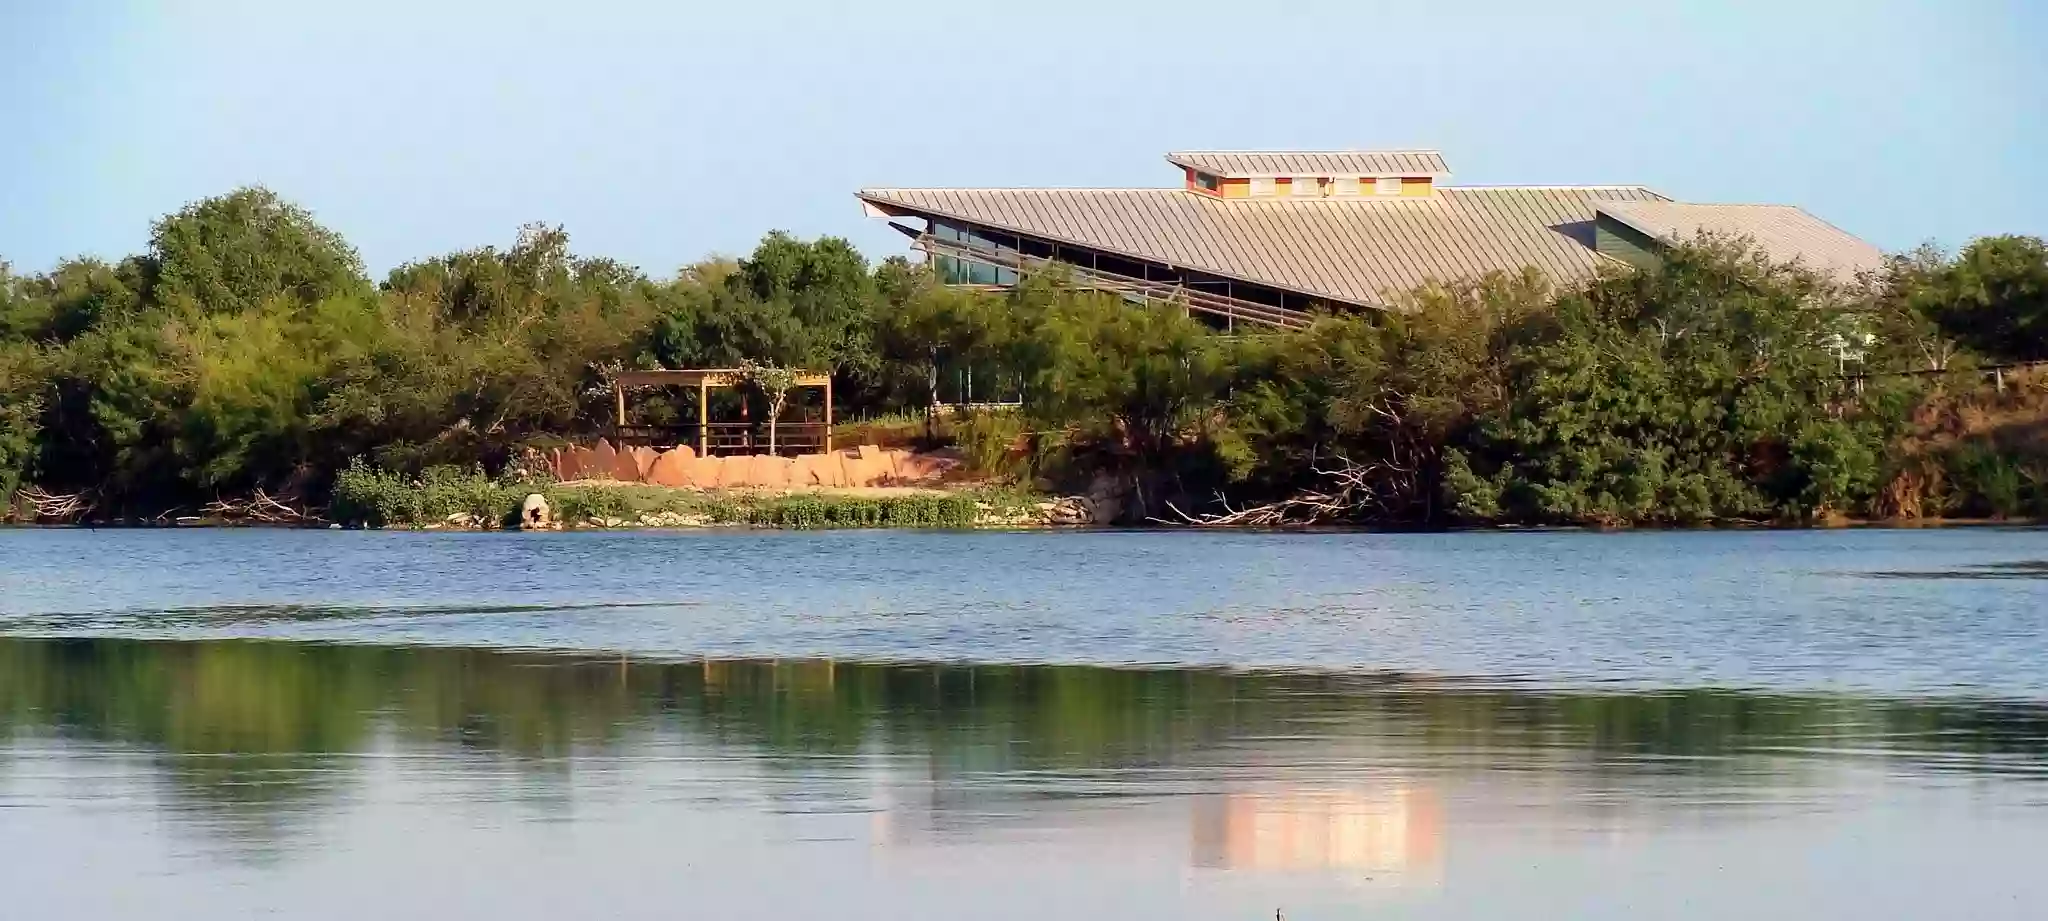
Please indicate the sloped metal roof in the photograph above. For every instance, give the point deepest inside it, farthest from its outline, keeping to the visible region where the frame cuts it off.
(1357, 251)
(1783, 231)
(1249, 164)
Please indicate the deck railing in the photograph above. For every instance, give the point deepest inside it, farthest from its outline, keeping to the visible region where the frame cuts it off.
(722, 438)
(1232, 309)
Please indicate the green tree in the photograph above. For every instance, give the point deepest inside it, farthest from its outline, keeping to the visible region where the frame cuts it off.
(237, 251)
(1143, 383)
(23, 384)
(1994, 297)
(1693, 393)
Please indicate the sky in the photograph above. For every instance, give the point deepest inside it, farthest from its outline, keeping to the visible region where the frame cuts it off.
(659, 133)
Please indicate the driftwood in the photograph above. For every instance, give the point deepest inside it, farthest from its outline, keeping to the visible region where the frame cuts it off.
(1350, 494)
(260, 508)
(46, 506)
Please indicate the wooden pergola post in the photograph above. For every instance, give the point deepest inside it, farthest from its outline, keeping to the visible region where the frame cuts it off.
(704, 379)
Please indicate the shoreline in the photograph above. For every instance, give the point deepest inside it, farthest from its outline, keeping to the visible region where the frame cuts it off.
(1009, 523)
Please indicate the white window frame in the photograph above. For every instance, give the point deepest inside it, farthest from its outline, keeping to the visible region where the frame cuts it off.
(1344, 186)
(1264, 187)
(1387, 185)
(1306, 187)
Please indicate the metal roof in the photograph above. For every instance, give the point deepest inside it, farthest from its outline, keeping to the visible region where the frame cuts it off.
(1253, 164)
(1357, 251)
(1783, 231)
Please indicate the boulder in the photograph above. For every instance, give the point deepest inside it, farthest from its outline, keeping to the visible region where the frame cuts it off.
(816, 470)
(919, 467)
(569, 465)
(866, 468)
(743, 471)
(671, 469)
(626, 464)
(643, 461)
(776, 472)
(604, 462)
(831, 469)
(708, 472)
(534, 513)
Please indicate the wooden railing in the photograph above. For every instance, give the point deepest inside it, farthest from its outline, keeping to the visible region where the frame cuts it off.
(1235, 310)
(722, 438)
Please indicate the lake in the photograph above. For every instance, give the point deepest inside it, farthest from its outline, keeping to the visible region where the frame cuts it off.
(1760, 724)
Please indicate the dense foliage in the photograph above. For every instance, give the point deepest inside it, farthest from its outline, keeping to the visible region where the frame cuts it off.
(248, 350)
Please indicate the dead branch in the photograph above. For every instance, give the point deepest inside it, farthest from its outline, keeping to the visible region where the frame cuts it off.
(50, 507)
(260, 508)
(1351, 492)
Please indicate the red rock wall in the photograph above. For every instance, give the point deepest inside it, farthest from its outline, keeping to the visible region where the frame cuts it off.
(681, 468)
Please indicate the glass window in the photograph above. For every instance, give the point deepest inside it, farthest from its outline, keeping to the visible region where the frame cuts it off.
(1262, 186)
(1305, 185)
(1208, 182)
(1345, 186)
(1390, 185)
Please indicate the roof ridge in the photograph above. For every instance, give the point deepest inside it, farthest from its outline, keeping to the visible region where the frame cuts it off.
(1042, 188)
(1730, 204)
(1326, 150)
(1546, 188)
(1630, 186)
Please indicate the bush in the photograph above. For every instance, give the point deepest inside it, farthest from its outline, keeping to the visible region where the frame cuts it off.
(988, 441)
(1990, 484)
(819, 512)
(578, 504)
(364, 495)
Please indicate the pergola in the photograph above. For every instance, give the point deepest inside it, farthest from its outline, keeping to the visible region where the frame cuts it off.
(704, 379)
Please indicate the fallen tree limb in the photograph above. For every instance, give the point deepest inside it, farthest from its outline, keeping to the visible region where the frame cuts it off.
(1350, 495)
(51, 507)
(260, 508)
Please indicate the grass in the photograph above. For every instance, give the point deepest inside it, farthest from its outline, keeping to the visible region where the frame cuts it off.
(364, 496)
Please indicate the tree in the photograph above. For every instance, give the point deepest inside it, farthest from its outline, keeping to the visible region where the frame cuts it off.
(1144, 383)
(1701, 391)
(1905, 314)
(821, 288)
(23, 382)
(240, 250)
(774, 384)
(1994, 297)
(922, 323)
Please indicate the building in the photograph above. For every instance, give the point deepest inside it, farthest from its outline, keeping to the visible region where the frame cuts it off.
(1265, 238)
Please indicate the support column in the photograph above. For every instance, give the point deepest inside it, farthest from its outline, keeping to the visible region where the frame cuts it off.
(828, 415)
(619, 398)
(703, 418)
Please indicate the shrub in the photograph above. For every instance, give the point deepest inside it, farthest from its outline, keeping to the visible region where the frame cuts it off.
(365, 495)
(988, 441)
(1991, 484)
(808, 512)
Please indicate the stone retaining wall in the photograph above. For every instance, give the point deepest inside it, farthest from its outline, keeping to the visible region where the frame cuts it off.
(866, 465)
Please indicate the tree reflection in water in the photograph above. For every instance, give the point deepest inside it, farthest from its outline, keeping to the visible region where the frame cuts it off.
(1312, 768)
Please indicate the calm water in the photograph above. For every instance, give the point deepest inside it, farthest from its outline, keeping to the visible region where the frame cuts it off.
(393, 725)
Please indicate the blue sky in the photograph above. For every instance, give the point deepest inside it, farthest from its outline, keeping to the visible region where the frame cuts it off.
(662, 132)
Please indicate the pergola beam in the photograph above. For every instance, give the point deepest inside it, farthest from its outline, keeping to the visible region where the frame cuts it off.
(704, 379)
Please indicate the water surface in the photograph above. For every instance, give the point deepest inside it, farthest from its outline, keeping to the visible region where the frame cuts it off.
(404, 725)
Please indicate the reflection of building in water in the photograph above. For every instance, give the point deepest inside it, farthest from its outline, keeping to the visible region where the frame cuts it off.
(1392, 833)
